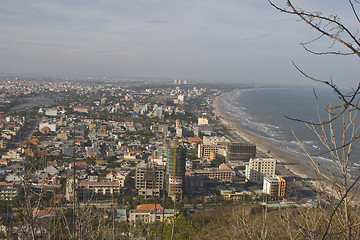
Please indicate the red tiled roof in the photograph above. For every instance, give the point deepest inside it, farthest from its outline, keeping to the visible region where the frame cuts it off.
(84, 106)
(81, 163)
(149, 206)
(194, 139)
(45, 129)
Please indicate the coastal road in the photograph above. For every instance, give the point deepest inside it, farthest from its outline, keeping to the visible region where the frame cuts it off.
(25, 133)
(194, 102)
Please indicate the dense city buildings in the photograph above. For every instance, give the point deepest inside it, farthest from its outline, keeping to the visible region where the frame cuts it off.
(131, 150)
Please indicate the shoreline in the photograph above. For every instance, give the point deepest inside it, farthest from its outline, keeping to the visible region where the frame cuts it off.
(287, 162)
(285, 159)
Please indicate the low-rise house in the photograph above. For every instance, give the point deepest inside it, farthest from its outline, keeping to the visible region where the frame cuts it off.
(50, 170)
(216, 173)
(83, 108)
(3, 172)
(56, 163)
(3, 143)
(12, 178)
(116, 177)
(233, 192)
(43, 213)
(16, 168)
(62, 136)
(12, 155)
(34, 141)
(89, 188)
(9, 190)
(149, 213)
(132, 157)
(120, 215)
(51, 126)
(81, 165)
(4, 161)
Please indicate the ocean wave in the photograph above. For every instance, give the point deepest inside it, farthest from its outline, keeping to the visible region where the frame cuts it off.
(324, 160)
(255, 114)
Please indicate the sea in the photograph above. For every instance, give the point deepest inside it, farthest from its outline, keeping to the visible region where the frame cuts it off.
(276, 114)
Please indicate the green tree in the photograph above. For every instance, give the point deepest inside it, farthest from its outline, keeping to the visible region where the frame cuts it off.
(177, 228)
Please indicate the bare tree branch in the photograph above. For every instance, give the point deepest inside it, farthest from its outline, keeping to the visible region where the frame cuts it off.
(354, 10)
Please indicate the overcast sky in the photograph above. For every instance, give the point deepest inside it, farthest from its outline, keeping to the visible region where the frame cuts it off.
(209, 40)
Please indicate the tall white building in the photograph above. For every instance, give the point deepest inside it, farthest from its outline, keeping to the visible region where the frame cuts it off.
(202, 120)
(257, 169)
(181, 98)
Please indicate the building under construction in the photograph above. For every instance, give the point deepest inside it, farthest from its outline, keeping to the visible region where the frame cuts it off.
(175, 171)
(240, 152)
(149, 181)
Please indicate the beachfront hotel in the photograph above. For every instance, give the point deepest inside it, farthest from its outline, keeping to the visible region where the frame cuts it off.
(239, 153)
(257, 169)
(274, 186)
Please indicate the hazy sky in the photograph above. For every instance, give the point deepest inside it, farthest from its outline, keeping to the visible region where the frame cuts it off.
(227, 40)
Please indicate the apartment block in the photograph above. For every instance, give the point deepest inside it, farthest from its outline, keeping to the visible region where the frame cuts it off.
(149, 182)
(92, 188)
(274, 186)
(240, 152)
(215, 173)
(257, 169)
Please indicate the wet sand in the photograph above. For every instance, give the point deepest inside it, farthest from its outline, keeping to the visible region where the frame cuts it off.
(285, 159)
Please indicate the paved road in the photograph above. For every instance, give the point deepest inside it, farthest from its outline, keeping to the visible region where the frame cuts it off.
(25, 133)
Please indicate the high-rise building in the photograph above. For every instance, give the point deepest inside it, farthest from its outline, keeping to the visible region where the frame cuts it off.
(213, 147)
(257, 169)
(240, 152)
(175, 171)
(274, 186)
(149, 182)
(203, 120)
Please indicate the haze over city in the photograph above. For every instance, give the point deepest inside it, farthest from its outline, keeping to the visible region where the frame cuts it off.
(216, 41)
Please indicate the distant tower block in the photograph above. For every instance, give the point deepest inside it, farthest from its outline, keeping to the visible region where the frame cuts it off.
(181, 98)
(185, 82)
(175, 171)
(61, 122)
(177, 123)
(179, 132)
(202, 120)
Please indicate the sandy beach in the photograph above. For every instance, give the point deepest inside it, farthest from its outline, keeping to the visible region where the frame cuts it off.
(285, 159)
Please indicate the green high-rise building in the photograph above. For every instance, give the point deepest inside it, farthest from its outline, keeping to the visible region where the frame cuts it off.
(175, 171)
